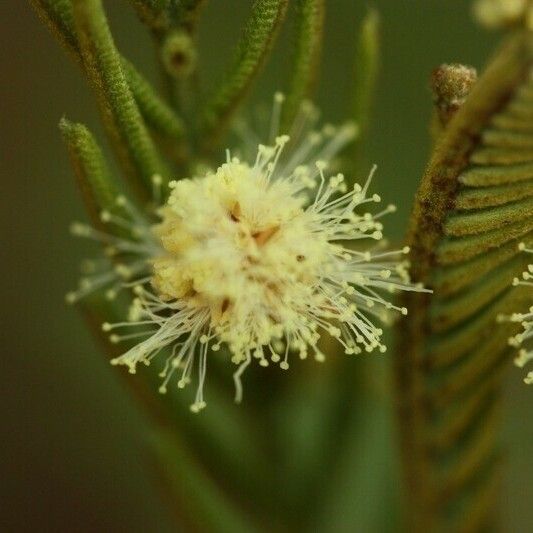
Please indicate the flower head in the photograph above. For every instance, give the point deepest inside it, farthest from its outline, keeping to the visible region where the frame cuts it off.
(258, 258)
(523, 341)
(263, 259)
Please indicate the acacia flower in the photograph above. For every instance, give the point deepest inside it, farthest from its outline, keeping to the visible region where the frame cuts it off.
(255, 260)
(523, 341)
(263, 259)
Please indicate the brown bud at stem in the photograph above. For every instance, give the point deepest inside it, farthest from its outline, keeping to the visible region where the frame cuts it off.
(451, 84)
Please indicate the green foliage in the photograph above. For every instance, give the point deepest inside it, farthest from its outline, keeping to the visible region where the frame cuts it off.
(92, 172)
(252, 51)
(158, 115)
(306, 57)
(366, 68)
(57, 15)
(120, 114)
(473, 208)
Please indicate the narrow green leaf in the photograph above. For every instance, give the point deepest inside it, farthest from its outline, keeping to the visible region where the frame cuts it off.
(487, 176)
(489, 155)
(159, 116)
(451, 312)
(507, 139)
(92, 172)
(134, 147)
(490, 218)
(454, 278)
(366, 70)
(457, 250)
(309, 34)
(491, 196)
(255, 44)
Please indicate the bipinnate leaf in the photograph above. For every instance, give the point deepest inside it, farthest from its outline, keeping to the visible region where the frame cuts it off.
(473, 207)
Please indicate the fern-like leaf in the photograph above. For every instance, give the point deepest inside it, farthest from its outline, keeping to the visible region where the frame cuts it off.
(474, 206)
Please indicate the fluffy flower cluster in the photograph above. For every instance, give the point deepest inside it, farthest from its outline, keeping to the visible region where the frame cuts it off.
(523, 341)
(253, 264)
(501, 13)
(254, 260)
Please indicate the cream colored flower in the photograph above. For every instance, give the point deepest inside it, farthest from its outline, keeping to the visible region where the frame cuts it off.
(263, 259)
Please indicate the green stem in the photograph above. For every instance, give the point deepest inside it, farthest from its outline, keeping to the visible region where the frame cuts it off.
(159, 117)
(57, 16)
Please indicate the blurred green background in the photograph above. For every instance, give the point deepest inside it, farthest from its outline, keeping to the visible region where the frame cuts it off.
(73, 439)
